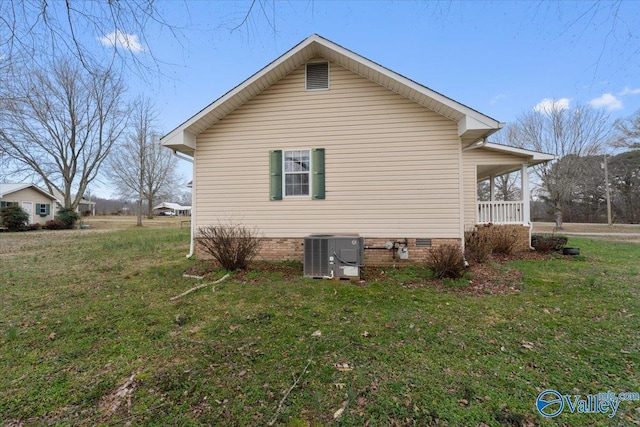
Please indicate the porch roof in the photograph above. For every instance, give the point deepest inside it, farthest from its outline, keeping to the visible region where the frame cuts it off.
(530, 157)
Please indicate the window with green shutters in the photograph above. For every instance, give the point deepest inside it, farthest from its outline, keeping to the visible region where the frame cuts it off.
(43, 209)
(296, 173)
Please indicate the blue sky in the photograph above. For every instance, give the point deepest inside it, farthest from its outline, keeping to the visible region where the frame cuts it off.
(501, 58)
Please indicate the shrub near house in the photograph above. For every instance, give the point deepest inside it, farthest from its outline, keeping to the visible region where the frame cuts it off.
(13, 218)
(68, 217)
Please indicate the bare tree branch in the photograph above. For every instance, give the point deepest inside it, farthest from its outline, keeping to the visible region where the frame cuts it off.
(568, 134)
(61, 124)
(140, 167)
(42, 30)
(627, 132)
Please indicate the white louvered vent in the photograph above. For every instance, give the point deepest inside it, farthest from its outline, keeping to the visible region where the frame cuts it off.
(317, 75)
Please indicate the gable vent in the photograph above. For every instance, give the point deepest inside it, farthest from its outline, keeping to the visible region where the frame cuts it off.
(317, 75)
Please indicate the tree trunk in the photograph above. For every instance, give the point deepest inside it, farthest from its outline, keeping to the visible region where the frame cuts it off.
(558, 214)
(150, 212)
(139, 222)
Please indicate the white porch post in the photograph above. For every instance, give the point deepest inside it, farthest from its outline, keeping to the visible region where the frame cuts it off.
(492, 198)
(524, 177)
(492, 188)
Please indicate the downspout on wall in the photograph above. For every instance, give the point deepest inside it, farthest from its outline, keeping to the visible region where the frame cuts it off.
(192, 247)
(478, 144)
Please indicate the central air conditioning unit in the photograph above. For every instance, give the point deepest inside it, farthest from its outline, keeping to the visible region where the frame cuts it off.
(329, 256)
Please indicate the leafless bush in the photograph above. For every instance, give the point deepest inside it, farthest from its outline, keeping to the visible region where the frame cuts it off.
(478, 245)
(504, 240)
(446, 261)
(232, 245)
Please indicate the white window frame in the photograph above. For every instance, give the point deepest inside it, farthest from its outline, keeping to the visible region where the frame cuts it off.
(328, 75)
(43, 209)
(285, 173)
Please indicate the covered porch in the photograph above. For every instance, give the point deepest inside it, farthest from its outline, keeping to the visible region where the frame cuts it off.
(505, 211)
(502, 184)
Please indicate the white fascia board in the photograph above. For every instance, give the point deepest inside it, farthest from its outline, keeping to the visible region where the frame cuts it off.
(51, 196)
(12, 188)
(179, 140)
(534, 155)
(474, 120)
(485, 122)
(175, 138)
(19, 187)
(469, 125)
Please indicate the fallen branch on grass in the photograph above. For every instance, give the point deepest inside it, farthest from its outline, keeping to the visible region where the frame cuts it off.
(275, 416)
(204, 285)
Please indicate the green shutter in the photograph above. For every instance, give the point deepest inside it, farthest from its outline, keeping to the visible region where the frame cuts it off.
(3, 204)
(47, 209)
(317, 163)
(275, 175)
(38, 209)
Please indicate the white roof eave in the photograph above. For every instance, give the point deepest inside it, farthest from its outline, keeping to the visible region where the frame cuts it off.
(534, 157)
(12, 188)
(472, 124)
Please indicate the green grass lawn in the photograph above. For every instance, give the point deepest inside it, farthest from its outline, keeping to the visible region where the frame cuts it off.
(89, 336)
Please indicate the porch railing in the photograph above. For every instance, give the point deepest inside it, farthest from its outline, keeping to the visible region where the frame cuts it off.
(501, 212)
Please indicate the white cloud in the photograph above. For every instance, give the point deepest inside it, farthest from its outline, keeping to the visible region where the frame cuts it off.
(628, 91)
(122, 40)
(497, 98)
(608, 101)
(548, 104)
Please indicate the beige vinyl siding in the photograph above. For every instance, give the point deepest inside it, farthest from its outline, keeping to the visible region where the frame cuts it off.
(471, 160)
(33, 196)
(391, 164)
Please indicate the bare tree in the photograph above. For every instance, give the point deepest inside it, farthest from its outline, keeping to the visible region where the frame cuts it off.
(568, 133)
(625, 178)
(60, 124)
(42, 30)
(140, 167)
(628, 132)
(505, 187)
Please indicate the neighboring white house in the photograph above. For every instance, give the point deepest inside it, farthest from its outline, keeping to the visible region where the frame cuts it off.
(172, 209)
(40, 205)
(325, 141)
(85, 207)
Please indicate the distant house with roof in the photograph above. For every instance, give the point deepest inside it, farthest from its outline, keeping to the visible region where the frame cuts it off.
(85, 207)
(37, 203)
(176, 209)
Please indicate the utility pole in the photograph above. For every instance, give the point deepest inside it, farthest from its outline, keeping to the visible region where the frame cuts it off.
(607, 190)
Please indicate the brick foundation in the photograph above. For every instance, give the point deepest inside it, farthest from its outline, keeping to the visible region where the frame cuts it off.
(292, 249)
(417, 254)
